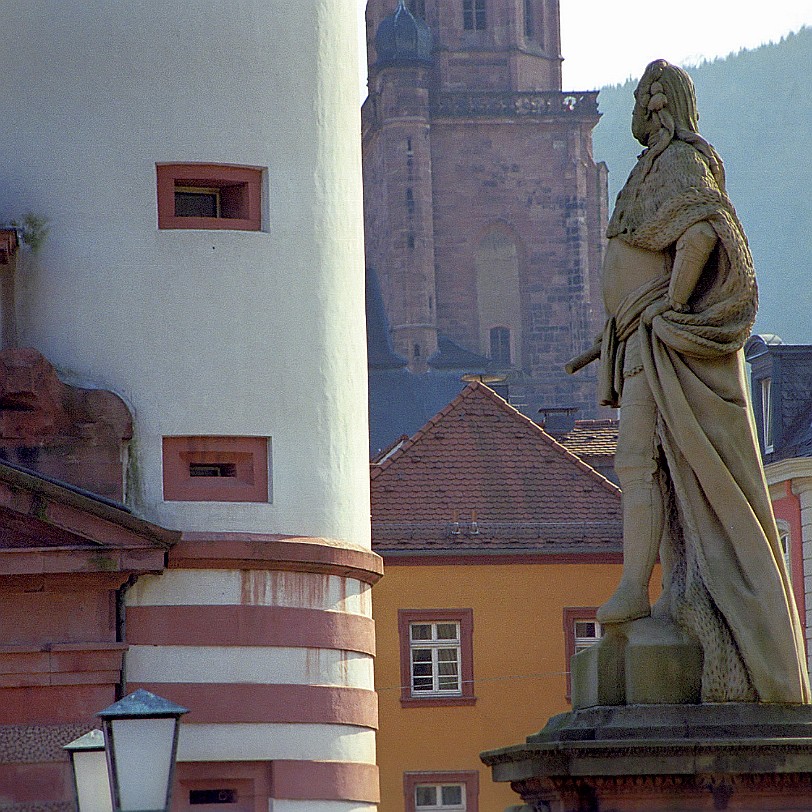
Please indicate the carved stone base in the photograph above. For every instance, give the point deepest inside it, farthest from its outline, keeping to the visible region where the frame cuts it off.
(664, 757)
(645, 661)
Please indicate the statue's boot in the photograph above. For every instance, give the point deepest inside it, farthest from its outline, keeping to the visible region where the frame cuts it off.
(642, 529)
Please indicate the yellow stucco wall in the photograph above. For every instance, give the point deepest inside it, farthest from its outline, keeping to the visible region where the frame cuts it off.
(519, 664)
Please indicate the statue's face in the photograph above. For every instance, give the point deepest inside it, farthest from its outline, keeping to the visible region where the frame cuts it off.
(642, 125)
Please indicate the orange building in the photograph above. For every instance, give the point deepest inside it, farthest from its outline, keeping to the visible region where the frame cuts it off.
(498, 545)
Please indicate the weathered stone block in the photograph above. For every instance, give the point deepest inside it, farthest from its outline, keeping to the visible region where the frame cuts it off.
(645, 661)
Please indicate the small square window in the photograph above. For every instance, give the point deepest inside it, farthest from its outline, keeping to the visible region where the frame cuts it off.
(194, 202)
(586, 633)
(209, 196)
(441, 792)
(436, 656)
(216, 469)
(581, 630)
(439, 797)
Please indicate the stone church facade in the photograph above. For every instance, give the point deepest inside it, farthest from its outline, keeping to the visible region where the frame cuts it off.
(484, 207)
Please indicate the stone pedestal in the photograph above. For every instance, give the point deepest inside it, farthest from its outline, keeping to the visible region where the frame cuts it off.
(637, 663)
(664, 757)
(638, 739)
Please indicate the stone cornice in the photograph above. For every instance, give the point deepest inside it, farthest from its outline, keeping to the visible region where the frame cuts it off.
(790, 469)
(258, 551)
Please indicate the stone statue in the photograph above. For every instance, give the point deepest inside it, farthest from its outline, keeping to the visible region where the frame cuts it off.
(680, 290)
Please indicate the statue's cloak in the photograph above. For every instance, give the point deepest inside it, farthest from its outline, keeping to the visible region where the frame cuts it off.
(729, 585)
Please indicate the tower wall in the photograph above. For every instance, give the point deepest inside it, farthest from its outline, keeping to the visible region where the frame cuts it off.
(227, 332)
(261, 624)
(403, 250)
(533, 177)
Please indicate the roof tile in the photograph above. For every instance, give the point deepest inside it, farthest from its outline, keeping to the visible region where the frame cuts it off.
(480, 475)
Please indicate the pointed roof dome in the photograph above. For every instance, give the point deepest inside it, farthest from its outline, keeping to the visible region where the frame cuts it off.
(402, 37)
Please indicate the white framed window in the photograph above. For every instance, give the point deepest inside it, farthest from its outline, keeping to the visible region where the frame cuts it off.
(435, 655)
(453, 791)
(445, 797)
(581, 630)
(767, 414)
(586, 632)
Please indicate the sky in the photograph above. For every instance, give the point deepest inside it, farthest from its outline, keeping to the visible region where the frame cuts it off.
(623, 36)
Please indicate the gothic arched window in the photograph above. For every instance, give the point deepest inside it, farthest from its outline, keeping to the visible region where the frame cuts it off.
(498, 296)
(500, 346)
(474, 15)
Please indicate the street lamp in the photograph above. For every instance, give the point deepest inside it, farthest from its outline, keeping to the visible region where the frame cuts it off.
(141, 734)
(90, 779)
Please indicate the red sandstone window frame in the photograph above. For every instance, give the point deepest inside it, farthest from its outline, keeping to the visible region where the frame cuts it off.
(246, 460)
(242, 185)
(250, 781)
(465, 619)
(469, 779)
(571, 614)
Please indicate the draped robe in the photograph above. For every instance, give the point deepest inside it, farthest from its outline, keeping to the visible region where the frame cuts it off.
(726, 582)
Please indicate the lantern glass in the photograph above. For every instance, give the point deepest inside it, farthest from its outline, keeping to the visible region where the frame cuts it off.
(90, 775)
(143, 759)
(141, 733)
(92, 782)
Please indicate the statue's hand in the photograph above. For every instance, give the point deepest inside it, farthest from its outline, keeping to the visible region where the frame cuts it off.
(655, 309)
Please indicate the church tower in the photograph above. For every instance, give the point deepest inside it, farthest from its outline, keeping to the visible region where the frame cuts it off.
(484, 208)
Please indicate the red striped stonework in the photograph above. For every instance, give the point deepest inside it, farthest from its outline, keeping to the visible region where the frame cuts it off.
(56, 704)
(256, 551)
(249, 626)
(325, 781)
(236, 703)
(249, 622)
(28, 784)
(57, 683)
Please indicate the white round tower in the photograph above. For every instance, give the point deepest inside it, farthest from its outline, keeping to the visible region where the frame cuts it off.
(199, 168)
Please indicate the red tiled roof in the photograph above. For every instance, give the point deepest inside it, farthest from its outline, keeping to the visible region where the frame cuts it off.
(481, 476)
(592, 438)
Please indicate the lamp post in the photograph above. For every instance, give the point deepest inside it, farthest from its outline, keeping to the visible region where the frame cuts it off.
(89, 767)
(129, 767)
(141, 732)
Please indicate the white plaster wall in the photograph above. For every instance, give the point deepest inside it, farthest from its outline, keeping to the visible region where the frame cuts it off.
(202, 332)
(255, 665)
(298, 590)
(266, 742)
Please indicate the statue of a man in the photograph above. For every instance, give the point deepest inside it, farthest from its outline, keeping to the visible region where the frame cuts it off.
(680, 290)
